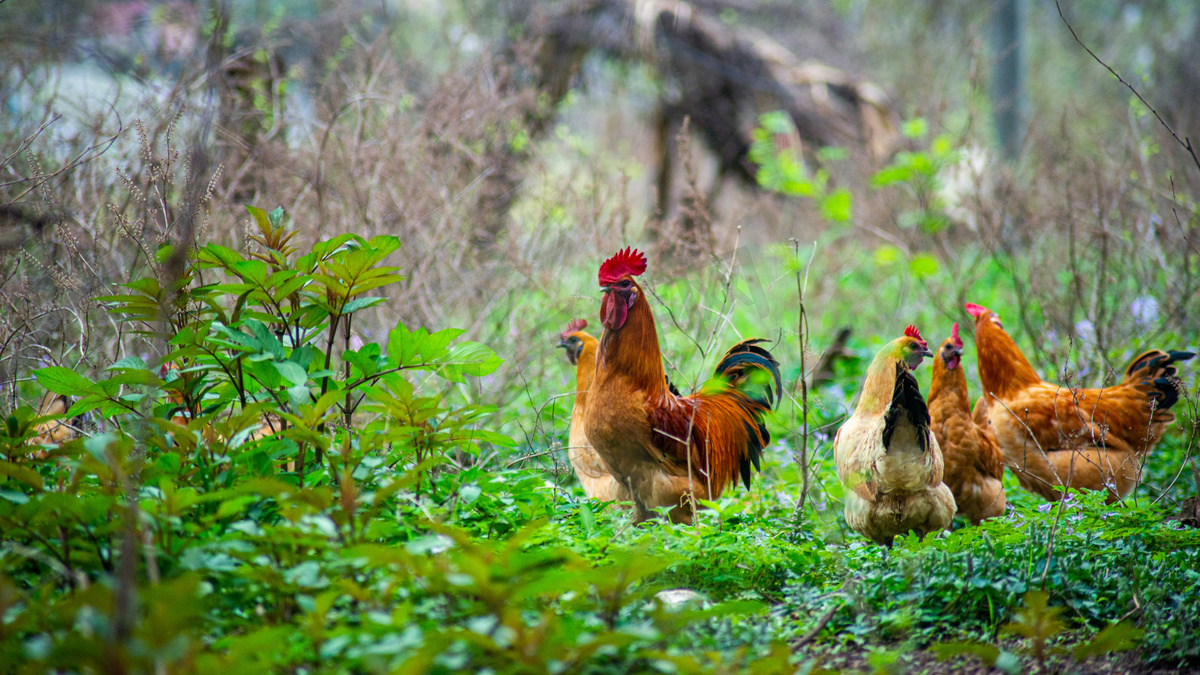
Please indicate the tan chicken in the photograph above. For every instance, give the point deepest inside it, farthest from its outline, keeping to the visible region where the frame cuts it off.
(886, 455)
(974, 464)
(1054, 436)
(597, 481)
(52, 431)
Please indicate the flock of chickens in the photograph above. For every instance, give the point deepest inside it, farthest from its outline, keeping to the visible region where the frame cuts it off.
(908, 463)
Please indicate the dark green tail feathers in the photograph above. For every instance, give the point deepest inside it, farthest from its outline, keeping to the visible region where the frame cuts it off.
(754, 372)
(1158, 367)
(747, 363)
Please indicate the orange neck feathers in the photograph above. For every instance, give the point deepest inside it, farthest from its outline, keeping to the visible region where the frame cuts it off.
(1003, 369)
(948, 382)
(633, 349)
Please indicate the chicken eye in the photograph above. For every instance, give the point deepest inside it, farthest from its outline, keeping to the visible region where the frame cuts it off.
(625, 283)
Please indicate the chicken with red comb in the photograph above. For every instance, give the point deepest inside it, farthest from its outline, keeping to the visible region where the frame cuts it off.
(594, 476)
(1056, 437)
(974, 464)
(671, 450)
(887, 458)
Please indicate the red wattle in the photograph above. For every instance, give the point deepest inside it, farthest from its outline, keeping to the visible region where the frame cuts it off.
(613, 312)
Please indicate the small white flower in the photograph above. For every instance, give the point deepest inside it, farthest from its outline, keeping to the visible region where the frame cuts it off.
(1085, 330)
(1144, 310)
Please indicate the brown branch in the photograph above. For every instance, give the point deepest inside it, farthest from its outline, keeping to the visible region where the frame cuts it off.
(1186, 143)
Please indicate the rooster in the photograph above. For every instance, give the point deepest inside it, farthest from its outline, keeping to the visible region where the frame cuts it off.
(668, 449)
(1054, 437)
(974, 464)
(886, 455)
(597, 481)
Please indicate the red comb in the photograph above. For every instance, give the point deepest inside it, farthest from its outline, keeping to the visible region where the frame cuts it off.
(954, 336)
(913, 333)
(573, 326)
(630, 261)
(976, 310)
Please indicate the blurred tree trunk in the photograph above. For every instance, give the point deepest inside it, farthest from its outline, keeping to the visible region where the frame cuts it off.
(725, 75)
(1008, 75)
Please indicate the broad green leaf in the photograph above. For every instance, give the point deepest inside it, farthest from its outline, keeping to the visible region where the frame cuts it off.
(220, 255)
(891, 175)
(132, 362)
(469, 359)
(434, 345)
(65, 381)
(361, 303)
(403, 345)
(21, 474)
(292, 372)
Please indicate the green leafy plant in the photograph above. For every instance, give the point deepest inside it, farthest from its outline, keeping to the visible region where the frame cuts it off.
(1039, 623)
(776, 150)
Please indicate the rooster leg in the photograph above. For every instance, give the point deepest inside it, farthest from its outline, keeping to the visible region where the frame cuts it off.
(641, 514)
(683, 513)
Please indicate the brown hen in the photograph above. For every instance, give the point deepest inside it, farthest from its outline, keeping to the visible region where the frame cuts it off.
(1054, 436)
(974, 464)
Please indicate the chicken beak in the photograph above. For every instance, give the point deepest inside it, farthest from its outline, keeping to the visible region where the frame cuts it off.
(927, 353)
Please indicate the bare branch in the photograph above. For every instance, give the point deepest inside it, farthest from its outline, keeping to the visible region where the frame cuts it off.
(1186, 143)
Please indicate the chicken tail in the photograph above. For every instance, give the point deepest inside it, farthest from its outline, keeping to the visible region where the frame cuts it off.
(744, 366)
(1155, 371)
(745, 362)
